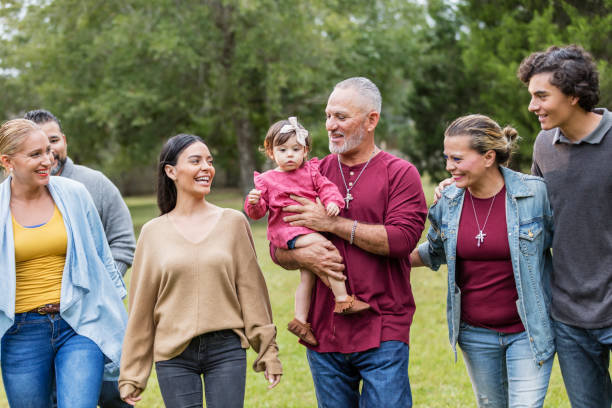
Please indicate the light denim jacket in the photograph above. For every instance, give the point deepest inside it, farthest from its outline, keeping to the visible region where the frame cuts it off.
(530, 229)
(92, 288)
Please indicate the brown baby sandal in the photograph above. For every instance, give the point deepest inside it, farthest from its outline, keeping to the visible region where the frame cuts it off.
(302, 330)
(350, 305)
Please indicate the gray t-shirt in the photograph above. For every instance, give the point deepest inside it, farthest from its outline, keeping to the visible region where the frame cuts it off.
(579, 180)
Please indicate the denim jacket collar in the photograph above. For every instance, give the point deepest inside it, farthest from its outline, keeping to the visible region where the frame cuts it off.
(515, 186)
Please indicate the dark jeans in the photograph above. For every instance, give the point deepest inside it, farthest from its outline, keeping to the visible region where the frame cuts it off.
(584, 358)
(109, 396)
(384, 371)
(220, 358)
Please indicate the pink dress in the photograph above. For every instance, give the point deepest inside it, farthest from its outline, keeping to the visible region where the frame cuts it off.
(275, 187)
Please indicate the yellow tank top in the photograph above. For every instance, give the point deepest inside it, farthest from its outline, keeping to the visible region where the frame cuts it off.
(40, 255)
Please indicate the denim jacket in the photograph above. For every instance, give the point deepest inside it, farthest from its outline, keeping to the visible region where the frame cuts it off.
(530, 229)
(92, 288)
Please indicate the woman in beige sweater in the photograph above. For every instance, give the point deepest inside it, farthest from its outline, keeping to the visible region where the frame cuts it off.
(197, 297)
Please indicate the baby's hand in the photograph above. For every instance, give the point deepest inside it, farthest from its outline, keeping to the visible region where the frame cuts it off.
(332, 209)
(254, 196)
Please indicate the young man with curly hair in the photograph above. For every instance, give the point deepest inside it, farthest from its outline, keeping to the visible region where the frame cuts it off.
(572, 153)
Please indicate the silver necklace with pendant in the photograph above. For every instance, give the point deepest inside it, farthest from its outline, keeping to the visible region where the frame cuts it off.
(349, 197)
(481, 235)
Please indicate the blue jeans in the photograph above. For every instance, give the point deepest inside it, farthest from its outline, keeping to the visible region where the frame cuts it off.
(36, 347)
(502, 368)
(584, 357)
(109, 396)
(384, 371)
(220, 358)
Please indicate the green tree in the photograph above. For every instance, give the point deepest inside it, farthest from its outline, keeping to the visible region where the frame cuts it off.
(125, 75)
(474, 48)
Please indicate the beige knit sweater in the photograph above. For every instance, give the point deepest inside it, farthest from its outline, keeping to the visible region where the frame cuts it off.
(180, 289)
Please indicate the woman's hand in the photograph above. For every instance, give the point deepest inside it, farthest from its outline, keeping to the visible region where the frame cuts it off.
(133, 398)
(440, 187)
(415, 258)
(273, 379)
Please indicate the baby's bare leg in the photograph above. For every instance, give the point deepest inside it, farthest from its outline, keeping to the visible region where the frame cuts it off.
(302, 295)
(338, 287)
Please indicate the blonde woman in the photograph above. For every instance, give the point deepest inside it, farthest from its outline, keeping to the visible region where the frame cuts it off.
(62, 319)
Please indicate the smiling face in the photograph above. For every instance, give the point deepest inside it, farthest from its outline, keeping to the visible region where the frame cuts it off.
(289, 155)
(59, 147)
(466, 166)
(31, 164)
(553, 107)
(194, 172)
(346, 121)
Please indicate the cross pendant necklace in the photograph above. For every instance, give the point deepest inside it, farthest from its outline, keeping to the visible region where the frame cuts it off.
(349, 197)
(481, 236)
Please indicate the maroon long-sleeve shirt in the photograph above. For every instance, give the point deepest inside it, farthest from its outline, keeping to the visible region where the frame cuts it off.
(388, 192)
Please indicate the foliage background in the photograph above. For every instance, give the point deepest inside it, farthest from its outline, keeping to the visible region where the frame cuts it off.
(124, 75)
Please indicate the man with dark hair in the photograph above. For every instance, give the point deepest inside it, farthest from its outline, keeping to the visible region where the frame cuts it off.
(113, 212)
(572, 153)
(372, 239)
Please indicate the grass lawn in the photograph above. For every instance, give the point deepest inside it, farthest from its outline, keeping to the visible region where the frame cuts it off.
(436, 380)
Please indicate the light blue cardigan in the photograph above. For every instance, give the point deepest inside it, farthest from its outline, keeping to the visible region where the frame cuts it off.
(92, 288)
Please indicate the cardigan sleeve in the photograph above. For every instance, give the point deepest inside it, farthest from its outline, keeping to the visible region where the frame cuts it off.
(99, 239)
(255, 302)
(137, 352)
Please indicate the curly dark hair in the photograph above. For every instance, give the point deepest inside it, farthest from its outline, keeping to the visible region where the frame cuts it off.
(573, 71)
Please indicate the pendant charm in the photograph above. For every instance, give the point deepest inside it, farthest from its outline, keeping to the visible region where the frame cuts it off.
(347, 199)
(480, 238)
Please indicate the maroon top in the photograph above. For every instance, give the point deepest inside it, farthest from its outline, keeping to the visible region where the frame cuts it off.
(389, 192)
(484, 274)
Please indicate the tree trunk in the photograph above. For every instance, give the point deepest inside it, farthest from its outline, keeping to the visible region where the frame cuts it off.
(246, 155)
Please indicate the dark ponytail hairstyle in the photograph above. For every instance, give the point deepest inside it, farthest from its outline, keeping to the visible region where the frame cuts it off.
(166, 190)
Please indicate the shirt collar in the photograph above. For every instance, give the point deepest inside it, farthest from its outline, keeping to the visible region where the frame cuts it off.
(596, 136)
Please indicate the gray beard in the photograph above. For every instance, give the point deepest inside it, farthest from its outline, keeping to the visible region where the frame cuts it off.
(349, 142)
(57, 169)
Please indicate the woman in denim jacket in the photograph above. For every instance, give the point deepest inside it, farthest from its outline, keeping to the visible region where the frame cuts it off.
(62, 319)
(493, 229)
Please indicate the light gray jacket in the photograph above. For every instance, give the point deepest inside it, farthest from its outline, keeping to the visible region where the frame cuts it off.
(113, 211)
